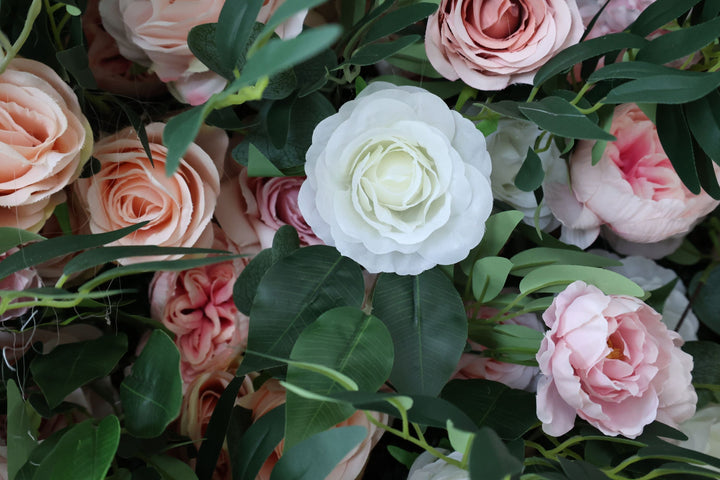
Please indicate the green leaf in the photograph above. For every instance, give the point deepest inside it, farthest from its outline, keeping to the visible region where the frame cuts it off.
(706, 301)
(11, 237)
(348, 341)
(312, 74)
(498, 229)
(490, 459)
(459, 439)
(171, 468)
(402, 456)
(233, 30)
(374, 52)
(489, 276)
(201, 41)
(139, 127)
(703, 117)
(508, 343)
(566, 59)
(636, 69)
(508, 412)
(555, 278)
(659, 295)
(673, 45)
(706, 358)
(302, 461)
(558, 116)
(659, 13)
(531, 173)
(674, 134)
(257, 443)
(151, 395)
(22, 425)
(75, 61)
(399, 19)
(40, 252)
(259, 165)
(310, 281)
(530, 259)
(287, 9)
(280, 86)
(506, 108)
(706, 172)
(428, 324)
(605, 121)
(581, 469)
(668, 89)
(81, 363)
(83, 452)
(673, 452)
(180, 132)
(686, 254)
(278, 122)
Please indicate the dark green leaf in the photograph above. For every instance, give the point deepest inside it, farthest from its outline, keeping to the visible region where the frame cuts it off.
(402, 456)
(75, 61)
(285, 10)
(374, 52)
(152, 393)
(278, 121)
(139, 127)
(675, 138)
(558, 116)
(257, 443)
(706, 302)
(711, 9)
(563, 61)
(581, 469)
(669, 89)
(302, 461)
(490, 459)
(171, 468)
(234, 26)
(399, 19)
(310, 281)
(81, 362)
(180, 132)
(706, 358)
(280, 85)
(659, 295)
(605, 115)
(706, 172)
(703, 118)
(348, 341)
(428, 324)
(508, 412)
(531, 173)
(22, 425)
(498, 229)
(312, 74)
(507, 108)
(11, 237)
(659, 13)
(673, 45)
(673, 452)
(636, 69)
(201, 41)
(247, 283)
(40, 252)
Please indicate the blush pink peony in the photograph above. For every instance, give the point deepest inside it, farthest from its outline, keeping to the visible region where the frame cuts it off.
(128, 189)
(252, 209)
(490, 44)
(44, 143)
(633, 189)
(610, 360)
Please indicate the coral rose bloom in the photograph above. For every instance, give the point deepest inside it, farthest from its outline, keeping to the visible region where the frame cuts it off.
(610, 360)
(490, 44)
(128, 190)
(44, 143)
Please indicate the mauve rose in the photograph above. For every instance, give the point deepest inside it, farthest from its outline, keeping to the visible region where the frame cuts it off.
(490, 44)
(633, 190)
(128, 189)
(24, 279)
(44, 143)
(264, 205)
(271, 394)
(610, 360)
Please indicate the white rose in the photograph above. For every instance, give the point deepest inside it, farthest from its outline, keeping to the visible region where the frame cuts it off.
(508, 147)
(427, 467)
(703, 431)
(397, 181)
(651, 276)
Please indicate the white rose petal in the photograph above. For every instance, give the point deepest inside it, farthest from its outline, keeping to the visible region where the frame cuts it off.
(397, 181)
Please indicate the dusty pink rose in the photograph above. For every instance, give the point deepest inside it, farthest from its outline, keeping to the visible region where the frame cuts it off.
(128, 190)
(197, 306)
(633, 189)
(610, 360)
(271, 394)
(252, 209)
(44, 143)
(24, 279)
(490, 44)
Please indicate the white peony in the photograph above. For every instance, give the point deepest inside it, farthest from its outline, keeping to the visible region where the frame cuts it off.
(428, 467)
(703, 431)
(397, 181)
(508, 147)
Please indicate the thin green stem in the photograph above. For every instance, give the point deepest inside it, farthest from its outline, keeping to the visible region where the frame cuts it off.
(32, 14)
(533, 94)
(581, 93)
(587, 111)
(578, 439)
(53, 25)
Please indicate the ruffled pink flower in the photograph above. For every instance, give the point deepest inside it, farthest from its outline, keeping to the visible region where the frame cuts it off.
(490, 44)
(610, 360)
(22, 280)
(633, 190)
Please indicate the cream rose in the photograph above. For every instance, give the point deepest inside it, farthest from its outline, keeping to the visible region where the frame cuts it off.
(128, 190)
(44, 143)
(397, 181)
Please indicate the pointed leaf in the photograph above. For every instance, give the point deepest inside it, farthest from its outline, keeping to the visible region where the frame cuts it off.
(555, 278)
(21, 430)
(674, 135)
(489, 276)
(234, 26)
(667, 89)
(659, 13)
(12, 237)
(257, 443)
(532, 258)
(531, 173)
(558, 116)
(374, 52)
(490, 459)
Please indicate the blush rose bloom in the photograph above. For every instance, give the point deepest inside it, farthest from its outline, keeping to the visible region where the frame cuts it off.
(44, 142)
(610, 360)
(252, 209)
(633, 190)
(271, 394)
(128, 189)
(397, 181)
(490, 44)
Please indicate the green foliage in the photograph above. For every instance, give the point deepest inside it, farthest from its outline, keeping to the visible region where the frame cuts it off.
(490, 459)
(250, 451)
(558, 116)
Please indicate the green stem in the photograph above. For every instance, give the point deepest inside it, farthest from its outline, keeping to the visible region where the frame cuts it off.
(53, 25)
(32, 14)
(533, 94)
(587, 111)
(581, 93)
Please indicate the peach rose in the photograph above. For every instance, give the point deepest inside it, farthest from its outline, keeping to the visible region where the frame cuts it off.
(610, 360)
(128, 190)
(44, 143)
(271, 394)
(633, 190)
(490, 44)
(264, 205)
(197, 306)
(25, 278)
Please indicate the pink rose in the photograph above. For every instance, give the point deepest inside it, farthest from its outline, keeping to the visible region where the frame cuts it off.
(24, 279)
(271, 394)
(633, 189)
(44, 143)
(197, 306)
(610, 360)
(251, 210)
(490, 44)
(128, 190)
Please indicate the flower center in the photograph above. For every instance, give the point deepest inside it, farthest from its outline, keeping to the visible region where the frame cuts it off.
(499, 18)
(617, 351)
